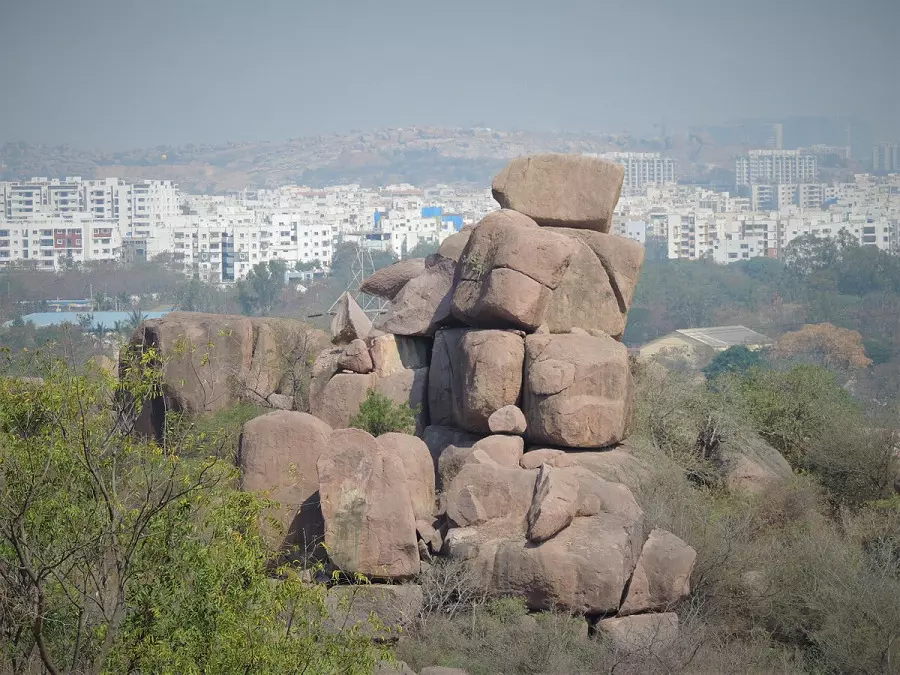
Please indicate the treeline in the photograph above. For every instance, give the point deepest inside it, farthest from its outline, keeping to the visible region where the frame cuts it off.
(819, 280)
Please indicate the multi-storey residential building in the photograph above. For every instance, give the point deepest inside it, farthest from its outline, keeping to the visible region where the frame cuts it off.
(886, 158)
(774, 167)
(643, 170)
(52, 242)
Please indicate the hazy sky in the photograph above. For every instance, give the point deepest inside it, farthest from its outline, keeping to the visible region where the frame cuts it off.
(133, 73)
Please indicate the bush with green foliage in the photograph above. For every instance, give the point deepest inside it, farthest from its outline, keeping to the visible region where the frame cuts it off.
(737, 360)
(119, 555)
(379, 415)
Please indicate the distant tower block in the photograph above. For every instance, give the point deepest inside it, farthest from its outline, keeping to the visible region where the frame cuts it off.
(779, 136)
(363, 267)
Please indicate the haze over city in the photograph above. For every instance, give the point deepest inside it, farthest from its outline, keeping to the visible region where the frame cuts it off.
(111, 75)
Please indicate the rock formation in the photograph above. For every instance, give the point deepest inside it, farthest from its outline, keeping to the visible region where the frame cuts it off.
(509, 342)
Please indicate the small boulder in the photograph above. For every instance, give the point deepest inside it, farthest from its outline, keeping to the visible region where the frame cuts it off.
(453, 246)
(563, 190)
(556, 458)
(356, 357)
(554, 503)
(370, 525)
(502, 449)
(507, 420)
(389, 281)
(349, 322)
(338, 401)
(662, 577)
(643, 634)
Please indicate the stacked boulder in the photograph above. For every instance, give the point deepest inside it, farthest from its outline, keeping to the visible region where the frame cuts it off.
(508, 340)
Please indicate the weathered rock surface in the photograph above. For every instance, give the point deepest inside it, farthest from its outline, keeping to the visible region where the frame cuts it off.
(507, 420)
(751, 465)
(449, 448)
(370, 525)
(563, 190)
(394, 606)
(277, 455)
(423, 304)
(453, 246)
(413, 454)
(508, 271)
(339, 399)
(349, 322)
(554, 503)
(503, 449)
(393, 353)
(641, 634)
(408, 386)
(484, 491)
(356, 357)
(473, 374)
(213, 361)
(388, 281)
(662, 577)
(582, 569)
(578, 390)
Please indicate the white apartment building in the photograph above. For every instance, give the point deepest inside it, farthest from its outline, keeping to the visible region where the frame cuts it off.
(643, 170)
(52, 242)
(774, 167)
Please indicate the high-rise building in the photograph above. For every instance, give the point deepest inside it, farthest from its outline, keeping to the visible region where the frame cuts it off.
(886, 157)
(643, 170)
(775, 167)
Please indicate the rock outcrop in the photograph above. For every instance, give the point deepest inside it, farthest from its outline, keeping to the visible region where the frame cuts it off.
(509, 335)
(214, 361)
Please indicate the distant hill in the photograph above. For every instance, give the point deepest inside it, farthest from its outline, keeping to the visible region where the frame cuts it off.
(420, 156)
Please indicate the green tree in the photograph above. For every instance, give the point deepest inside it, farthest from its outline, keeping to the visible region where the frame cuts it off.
(260, 291)
(422, 250)
(379, 415)
(119, 555)
(738, 359)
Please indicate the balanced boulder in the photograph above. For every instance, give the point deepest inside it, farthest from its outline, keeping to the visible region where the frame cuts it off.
(389, 281)
(349, 322)
(423, 304)
(563, 190)
(662, 577)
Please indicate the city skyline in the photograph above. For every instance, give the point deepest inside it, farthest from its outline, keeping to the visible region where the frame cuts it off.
(94, 74)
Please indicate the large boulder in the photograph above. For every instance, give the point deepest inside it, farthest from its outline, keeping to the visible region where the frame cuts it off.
(621, 258)
(562, 494)
(485, 491)
(578, 390)
(643, 635)
(211, 362)
(662, 577)
(409, 386)
(563, 190)
(453, 246)
(389, 281)
(583, 569)
(277, 456)
(423, 304)
(370, 524)
(473, 374)
(349, 322)
(508, 271)
(413, 454)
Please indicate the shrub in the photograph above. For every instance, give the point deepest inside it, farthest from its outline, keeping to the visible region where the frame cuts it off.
(380, 415)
